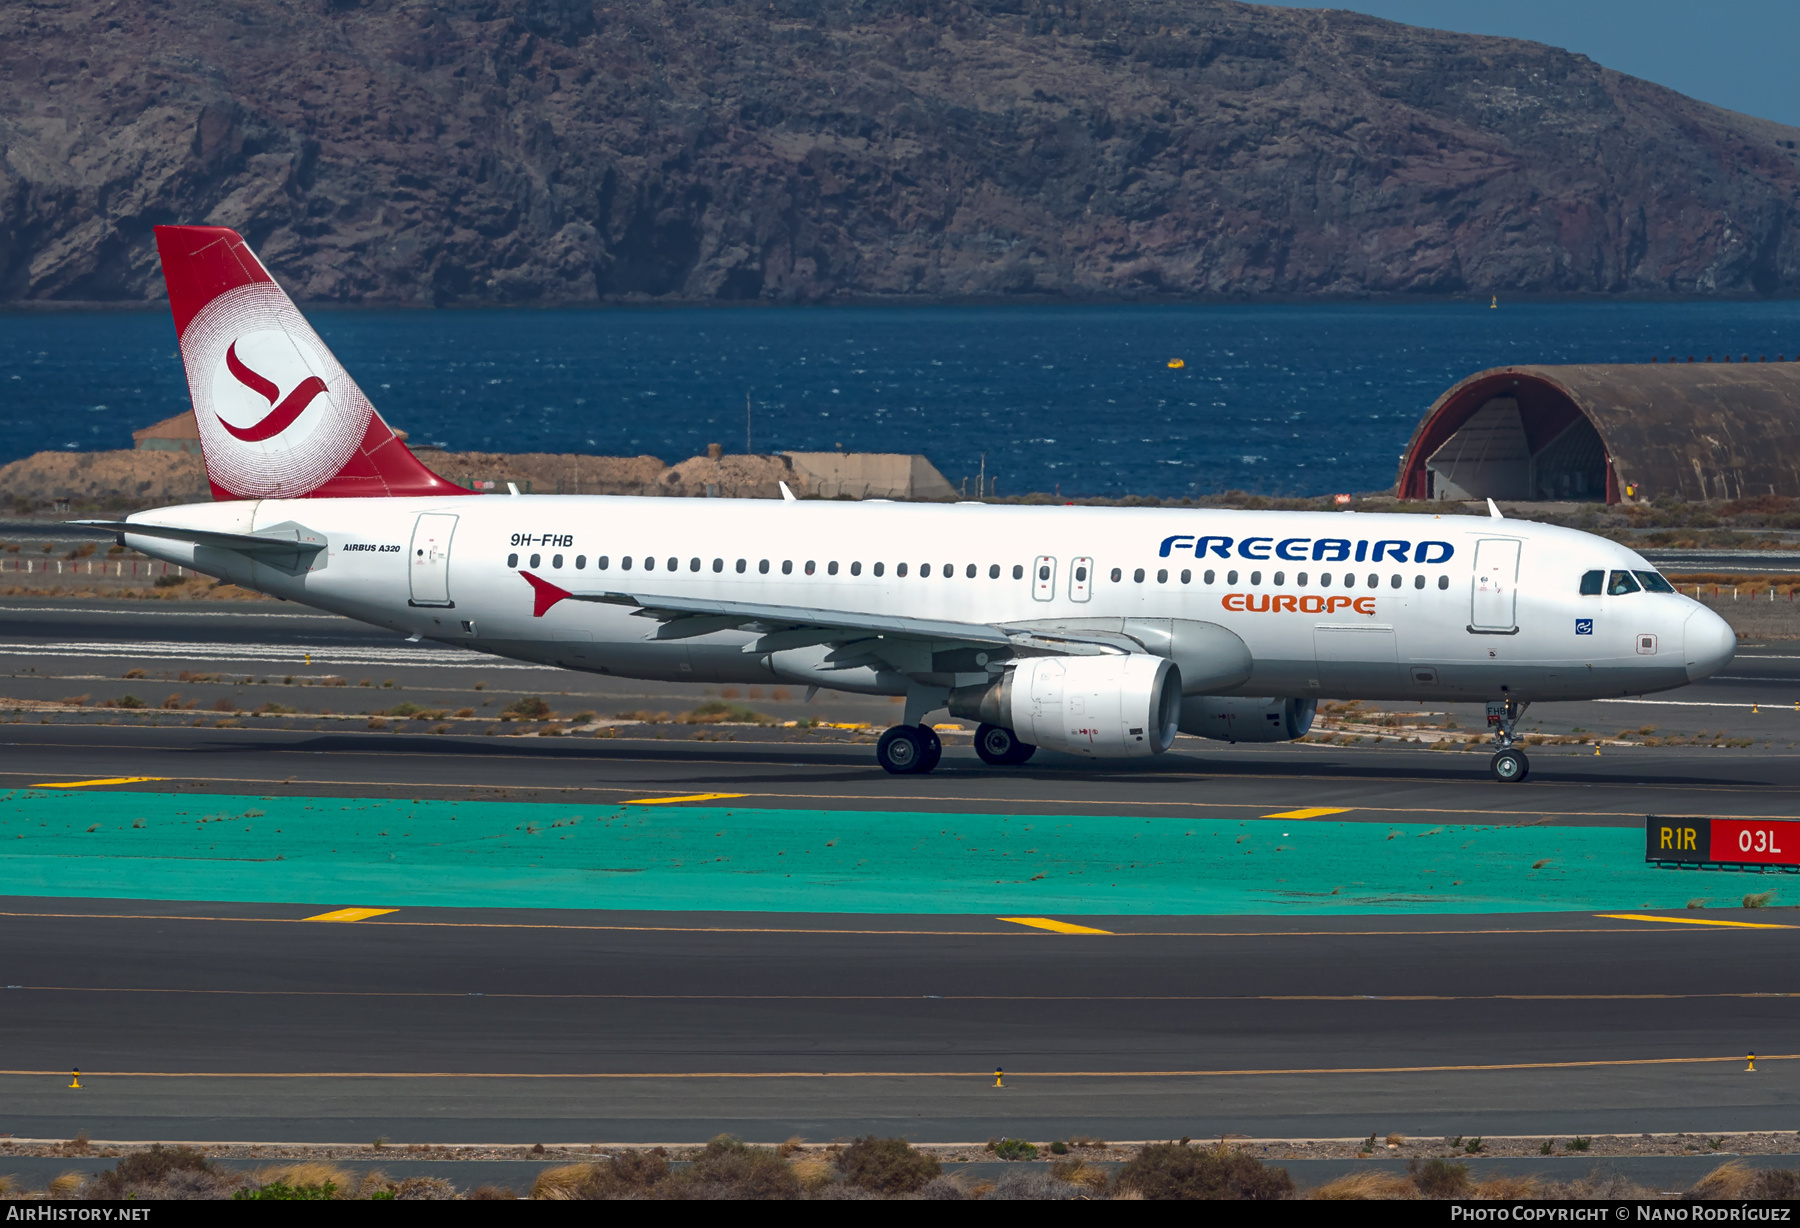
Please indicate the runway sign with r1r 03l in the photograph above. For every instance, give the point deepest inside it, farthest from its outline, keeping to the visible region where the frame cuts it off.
(1722, 842)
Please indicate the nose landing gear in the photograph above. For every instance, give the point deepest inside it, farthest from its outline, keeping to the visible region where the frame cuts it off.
(1509, 764)
(906, 749)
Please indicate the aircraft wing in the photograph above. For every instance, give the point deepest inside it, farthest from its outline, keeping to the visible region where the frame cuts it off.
(796, 626)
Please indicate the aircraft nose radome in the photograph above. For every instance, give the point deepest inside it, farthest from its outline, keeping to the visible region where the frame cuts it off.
(1709, 644)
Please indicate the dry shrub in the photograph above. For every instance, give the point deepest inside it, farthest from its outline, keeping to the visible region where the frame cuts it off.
(886, 1165)
(1596, 1186)
(1079, 1172)
(163, 1173)
(1730, 1180)
(1370, 1184)
(67, 1186)
(562, 1184)
(730, 1168)
(425, 1189)
(630, 1174)
(308, 1174)
(1505, 1187)
(491, 1193)
(1033, 1185)
(1177, 1171)
(816, 1172)
(715, 712)
(1439, 1178)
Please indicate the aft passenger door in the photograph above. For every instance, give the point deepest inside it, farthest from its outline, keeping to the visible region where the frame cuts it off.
(1494, 598)
(430, 560)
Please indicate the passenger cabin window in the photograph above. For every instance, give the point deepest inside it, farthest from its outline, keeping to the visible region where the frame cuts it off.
(1592, 583)
(880, 567)
(925, 570)
(581, 562)
(741, 565)
(625, 562)
(536, 559)
(1136, 576)
(718, 564)
(1231, 577)
(649, 564)
(1186, 576)
(1208, 577)
(674, 564)
(512, 560)
(1162, 575)
(693, 564)
(787, 567)
(899, 569)
(1443, 581)
(831, 568)
(762, 568)
(1280, 578)
(1117, 575)
(1081, 575)
(602, 563)
(855, 568)
(1653, 582)
(1621, 584)
(969, 572)
(1256, 578)
(1418, 581)
(1018, 571)
(811, 567)
(994, 571)
(556, 561)
(1300, 579)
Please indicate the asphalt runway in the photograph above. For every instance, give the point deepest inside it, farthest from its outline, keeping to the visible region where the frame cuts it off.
(481, 1025)
(246, 1022)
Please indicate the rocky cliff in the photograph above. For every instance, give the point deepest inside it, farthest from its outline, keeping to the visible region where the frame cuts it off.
(529, 151)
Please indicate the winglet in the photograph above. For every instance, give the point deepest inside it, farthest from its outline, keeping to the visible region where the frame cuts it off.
(545, 594)
(787, 496)
(1494, 510)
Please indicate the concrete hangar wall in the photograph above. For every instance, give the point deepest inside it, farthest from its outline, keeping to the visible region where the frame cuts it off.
(1583, 433)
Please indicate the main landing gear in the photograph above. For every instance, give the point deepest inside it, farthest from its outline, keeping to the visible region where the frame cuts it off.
(1509, 764)
(1001, 747)
(905, 749)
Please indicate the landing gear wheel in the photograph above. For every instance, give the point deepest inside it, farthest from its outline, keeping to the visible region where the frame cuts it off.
(905, 749)
(1001, 747)
(934, 748)
(1510, 766)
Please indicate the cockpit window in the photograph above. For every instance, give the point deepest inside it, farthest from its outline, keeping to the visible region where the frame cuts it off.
(1653, 582)
(1592, 583)
(1622, 583)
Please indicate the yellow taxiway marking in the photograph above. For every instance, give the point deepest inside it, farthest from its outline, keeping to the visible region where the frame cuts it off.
(670, 801)
(1739, 925)
(1311, 812)
(904, 1074)
(82, 784)
(1047, 923)
(894, 933)
(351, 914)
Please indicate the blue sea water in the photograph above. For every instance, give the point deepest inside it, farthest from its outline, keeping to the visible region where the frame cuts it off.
(1289, 399)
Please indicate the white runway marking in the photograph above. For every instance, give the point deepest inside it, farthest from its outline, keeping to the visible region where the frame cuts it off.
(1773, 705)
(268, 654)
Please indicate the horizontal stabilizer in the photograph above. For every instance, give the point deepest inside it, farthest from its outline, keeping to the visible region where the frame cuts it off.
(253, 544)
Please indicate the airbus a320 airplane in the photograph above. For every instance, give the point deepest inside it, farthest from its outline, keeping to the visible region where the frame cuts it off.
(1090, 631)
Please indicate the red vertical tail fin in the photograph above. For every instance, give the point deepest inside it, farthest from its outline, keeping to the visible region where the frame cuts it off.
(279, 416)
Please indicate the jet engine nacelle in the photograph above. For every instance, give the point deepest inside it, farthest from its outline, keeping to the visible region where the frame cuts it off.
(1110, 707)
(1247, 720)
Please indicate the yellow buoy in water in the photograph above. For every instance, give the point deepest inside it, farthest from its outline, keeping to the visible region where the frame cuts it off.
(1176, 364)
(1495, 303)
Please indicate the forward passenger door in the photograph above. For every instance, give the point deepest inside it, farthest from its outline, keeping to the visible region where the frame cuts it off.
(1493, 596)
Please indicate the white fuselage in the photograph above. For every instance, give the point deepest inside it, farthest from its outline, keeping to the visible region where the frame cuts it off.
(1330, 605)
